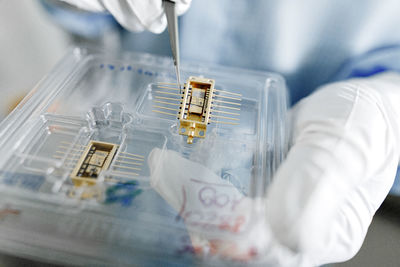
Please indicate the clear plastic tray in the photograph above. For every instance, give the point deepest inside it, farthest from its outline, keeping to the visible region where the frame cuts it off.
(124, 217)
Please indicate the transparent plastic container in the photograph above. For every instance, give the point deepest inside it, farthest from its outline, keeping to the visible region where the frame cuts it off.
(124, 217)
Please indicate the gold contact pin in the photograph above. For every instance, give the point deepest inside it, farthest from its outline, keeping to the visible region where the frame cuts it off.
(70, 143)
(225, 122)
(73, 158)
(131, 154)
(224, 117)
(220, 106)
(225, 112)
(169, 88)
(76, 149)
(226, 92)
(63, 152)
(67, 159)
(173, 109)
(127, 167)
(166, 113)
(228, 97)
(132, 158)
(168, 98)
(226, 102)
(167, 93)
(125, 173)
(113, 180)
(166, 103)
(129, 162)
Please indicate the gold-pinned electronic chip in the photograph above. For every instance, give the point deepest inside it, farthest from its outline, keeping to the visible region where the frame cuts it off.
(96, 157)
(197, 106)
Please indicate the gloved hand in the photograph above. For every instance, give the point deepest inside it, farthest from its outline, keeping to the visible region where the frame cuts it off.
(341, 165)
(346, 147)
(134, 15)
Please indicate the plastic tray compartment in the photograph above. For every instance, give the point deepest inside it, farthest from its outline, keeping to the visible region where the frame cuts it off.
(159, 194)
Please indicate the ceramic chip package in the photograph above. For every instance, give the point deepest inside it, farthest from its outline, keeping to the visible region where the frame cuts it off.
(197, 104)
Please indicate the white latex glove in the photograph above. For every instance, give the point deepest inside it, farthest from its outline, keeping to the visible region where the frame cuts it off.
(221, 222)
(134, 15)
(346, 147)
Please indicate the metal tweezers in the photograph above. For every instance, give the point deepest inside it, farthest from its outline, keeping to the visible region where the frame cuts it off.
(172, 20)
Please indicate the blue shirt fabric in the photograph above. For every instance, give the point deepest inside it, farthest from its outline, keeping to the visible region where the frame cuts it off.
(305, 41)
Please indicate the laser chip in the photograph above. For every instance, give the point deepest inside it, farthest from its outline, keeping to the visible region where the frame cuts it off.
(197, 101)
(199, 104)
(96, 157)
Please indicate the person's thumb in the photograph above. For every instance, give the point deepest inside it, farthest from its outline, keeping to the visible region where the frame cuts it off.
(340, 168)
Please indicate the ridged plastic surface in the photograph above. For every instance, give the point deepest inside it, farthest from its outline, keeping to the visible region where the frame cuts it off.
(122, 219)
